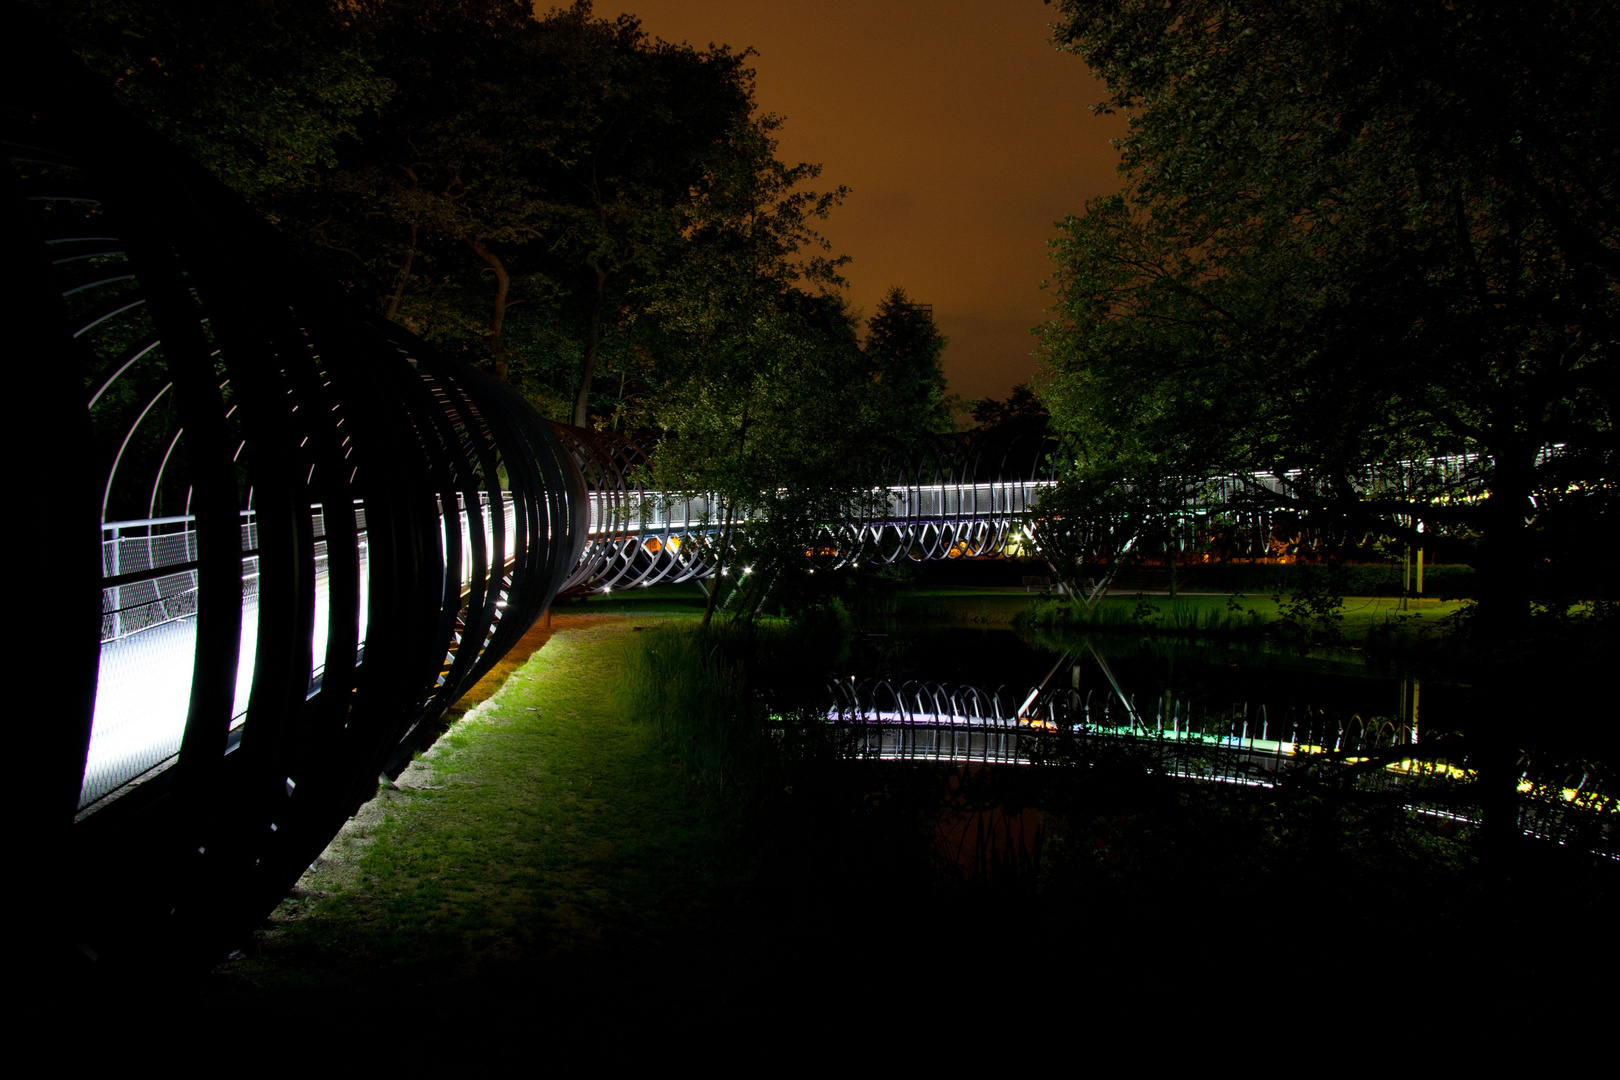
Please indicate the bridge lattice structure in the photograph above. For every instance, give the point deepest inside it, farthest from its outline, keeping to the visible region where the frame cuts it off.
(960, 498)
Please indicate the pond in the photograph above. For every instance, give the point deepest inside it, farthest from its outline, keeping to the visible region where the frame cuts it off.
(1244, 715)
(1175, 679)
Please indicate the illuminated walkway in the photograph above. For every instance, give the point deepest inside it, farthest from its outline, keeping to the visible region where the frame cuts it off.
(148, 648)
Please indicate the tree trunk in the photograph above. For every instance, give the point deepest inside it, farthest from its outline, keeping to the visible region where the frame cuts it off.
(403, 278)
(593, 345)
(714, 593)
(497, 315)
(1066, 587)
(708, 608)
(1503, 649)
(725, 531)
(410, 256)
(1170, 549)
(756, 602)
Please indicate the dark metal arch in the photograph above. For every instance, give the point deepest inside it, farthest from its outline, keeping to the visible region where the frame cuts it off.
(367, 526)
(638, 537)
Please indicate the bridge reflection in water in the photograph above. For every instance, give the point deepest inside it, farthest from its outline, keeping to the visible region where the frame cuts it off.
(1056, 725)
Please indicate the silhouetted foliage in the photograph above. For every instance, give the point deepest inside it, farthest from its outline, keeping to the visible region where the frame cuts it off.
(528, 191)
(1022, 412)
(1353, 233)
(904, 348)
(1085, 527)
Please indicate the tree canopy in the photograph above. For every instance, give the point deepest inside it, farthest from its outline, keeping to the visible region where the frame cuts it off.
(785, 419)
(535, 194)
(1351, 233)
(265, 95)
(904, 348)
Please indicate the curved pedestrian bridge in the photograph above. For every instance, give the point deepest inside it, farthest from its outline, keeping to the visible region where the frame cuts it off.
(292, 534)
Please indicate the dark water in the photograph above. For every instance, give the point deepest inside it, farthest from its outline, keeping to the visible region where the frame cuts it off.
(1178, 678)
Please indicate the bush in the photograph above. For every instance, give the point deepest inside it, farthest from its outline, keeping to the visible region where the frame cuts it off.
(734, 703)
(1360, 579)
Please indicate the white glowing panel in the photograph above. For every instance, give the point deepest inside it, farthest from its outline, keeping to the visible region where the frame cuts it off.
(143, 687)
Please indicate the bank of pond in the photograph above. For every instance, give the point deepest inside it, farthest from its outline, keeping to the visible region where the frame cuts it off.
(749, 707)
(713, 819)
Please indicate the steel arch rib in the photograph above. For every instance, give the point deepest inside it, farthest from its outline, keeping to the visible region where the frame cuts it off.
(333, 470)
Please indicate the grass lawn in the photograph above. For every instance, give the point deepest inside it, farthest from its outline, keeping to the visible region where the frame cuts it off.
(966, 605)
(997, 605)
(1361, 613)
(541, 851)
(1360, 617)
(687, 599)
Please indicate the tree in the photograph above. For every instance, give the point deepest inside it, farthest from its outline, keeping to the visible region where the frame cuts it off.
(904, 347)
(1357, 233)
(524, 191)
(265, 95)
(779, 422)
(1022, 412)
(560, 163)
(1085, 527)
(778, 428)
(1351, 234)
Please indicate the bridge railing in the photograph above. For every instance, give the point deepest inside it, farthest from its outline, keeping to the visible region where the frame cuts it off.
(632, 529)
(258, 658)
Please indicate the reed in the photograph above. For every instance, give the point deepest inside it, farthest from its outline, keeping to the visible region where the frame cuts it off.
(737, 705)
(1189, 617)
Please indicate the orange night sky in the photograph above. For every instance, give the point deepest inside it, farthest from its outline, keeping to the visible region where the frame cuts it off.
(961, 133)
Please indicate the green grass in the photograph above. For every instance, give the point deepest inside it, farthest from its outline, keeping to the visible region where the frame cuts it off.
(558, 849)
(1360, 617)
(962, 606)
(544, 840)
(656, 600)
(742, 707)
(695, 688)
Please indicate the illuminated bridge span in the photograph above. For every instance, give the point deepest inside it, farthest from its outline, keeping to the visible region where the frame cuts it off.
(626, 538)
(285, 535)
(964, 496)
(959, 497)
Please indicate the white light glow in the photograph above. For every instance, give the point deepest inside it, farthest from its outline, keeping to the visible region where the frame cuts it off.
(143, 682)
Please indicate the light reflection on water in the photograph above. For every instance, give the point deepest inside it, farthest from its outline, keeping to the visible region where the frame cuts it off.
(1170, 677)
